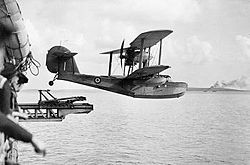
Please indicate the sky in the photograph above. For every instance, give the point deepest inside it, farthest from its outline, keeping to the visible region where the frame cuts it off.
(210, 40)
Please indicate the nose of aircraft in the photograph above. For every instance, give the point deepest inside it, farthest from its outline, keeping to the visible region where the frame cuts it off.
(185, 85)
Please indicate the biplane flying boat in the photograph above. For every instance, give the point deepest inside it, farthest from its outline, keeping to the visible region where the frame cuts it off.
(144, 82)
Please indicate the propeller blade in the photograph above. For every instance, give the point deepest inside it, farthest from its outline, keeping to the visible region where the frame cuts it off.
(121, 51)
(122, 46)
(121, 62)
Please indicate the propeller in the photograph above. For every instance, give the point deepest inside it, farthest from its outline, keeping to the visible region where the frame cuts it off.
(121, 51)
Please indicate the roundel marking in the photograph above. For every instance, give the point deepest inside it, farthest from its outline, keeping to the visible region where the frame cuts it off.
(97, 80)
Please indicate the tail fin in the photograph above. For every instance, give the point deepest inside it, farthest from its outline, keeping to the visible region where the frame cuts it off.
(60, 59)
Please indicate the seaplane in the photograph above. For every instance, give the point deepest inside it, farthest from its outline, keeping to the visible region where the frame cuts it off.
(139, 78)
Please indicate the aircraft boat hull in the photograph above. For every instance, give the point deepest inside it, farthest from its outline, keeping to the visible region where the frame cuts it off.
(112, 84)
(167, 90)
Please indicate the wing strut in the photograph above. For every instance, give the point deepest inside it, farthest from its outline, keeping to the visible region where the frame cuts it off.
(159, 62)
(149, 54)
(110, 63)
(124, 69)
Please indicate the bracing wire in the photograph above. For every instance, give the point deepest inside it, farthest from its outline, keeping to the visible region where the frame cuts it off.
(117, 60)
(154, 55)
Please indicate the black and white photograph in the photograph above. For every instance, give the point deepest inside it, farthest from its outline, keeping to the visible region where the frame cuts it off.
(125, 82)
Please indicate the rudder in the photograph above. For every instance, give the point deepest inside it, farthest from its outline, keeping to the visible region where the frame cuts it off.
(60, 59)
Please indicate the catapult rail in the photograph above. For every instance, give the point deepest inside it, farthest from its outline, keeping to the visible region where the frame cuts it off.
(54, 109)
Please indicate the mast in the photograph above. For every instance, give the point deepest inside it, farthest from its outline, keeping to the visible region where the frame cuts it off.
(159, 62)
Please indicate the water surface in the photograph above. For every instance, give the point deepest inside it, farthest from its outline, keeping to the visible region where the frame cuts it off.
(198, 128)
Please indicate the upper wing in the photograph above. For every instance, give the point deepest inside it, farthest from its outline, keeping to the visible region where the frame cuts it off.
(150, 38)
(147, 71)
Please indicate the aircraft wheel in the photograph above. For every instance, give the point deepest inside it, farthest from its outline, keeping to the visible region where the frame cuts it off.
(51, 83)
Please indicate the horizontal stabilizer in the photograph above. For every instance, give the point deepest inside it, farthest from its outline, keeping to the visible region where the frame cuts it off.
(64, 54)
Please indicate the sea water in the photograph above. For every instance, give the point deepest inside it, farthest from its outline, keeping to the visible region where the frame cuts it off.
(198, 128)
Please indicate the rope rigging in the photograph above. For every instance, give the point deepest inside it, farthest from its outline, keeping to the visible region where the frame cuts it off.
(27, 63)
